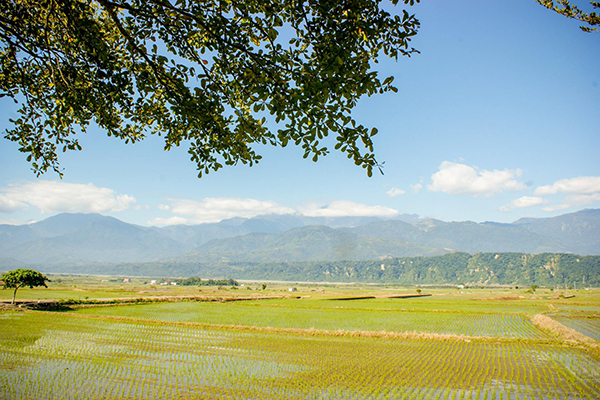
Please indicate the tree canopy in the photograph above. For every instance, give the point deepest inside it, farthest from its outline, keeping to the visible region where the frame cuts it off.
(219, 77)
(564, 7)
(21, 278)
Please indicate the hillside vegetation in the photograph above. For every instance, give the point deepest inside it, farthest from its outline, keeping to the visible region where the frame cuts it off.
(545, 269)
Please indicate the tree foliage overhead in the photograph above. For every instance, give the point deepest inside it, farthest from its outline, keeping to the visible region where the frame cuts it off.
(211, 75)
(564, 7)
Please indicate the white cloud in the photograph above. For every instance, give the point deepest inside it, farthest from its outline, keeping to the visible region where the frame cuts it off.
(580, 185)
(523, 202)
(460, 179)
(168, 221)
(216, 209)
(58, 196)
(164, 207)
(393, 192)
(343, 208)
(556, 208)
(582, 199)
(14, 222)
(527, 201)
(8, 205)
(582, 191)
(416, 188)
(209, 210)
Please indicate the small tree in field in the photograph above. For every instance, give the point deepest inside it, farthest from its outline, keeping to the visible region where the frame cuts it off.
(23, 277)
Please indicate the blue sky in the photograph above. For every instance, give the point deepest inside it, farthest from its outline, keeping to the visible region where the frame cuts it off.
(496, 119)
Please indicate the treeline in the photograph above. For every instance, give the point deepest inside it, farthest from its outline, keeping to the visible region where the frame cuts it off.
(197, 281)
(457, 268)
(546, 269)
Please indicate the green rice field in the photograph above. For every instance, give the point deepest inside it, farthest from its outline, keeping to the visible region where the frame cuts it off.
(301, 348)
(335, 317)
(589, 326)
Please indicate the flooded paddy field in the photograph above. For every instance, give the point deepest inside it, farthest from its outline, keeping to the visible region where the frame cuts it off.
(302, 348)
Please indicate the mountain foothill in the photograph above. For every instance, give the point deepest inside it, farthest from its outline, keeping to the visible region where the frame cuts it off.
(94, 243)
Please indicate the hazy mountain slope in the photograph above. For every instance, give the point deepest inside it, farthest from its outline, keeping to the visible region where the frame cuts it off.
(272, 223)
(196, 235)
(11, 263)
(389, 229)
(579, 231)
(89, 238)
(473, 237)
(464, 236)
(303, 244)
(62, 224)
(102, 239)
(11, 235)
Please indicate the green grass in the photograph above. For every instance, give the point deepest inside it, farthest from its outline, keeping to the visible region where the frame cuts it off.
(94, 287)
(43, 294)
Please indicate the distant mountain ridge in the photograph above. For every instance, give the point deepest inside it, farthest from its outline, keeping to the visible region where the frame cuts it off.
(579, 231)
(80, 238)
(464, 236)
(308, 243)
(76, 239)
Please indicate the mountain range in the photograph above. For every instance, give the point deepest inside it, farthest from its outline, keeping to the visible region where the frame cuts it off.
(78, 239)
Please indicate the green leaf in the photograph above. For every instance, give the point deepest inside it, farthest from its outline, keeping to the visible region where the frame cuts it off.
(133, 73)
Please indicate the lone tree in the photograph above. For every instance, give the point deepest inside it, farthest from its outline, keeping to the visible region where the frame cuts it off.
(219, 77)
(23, 277)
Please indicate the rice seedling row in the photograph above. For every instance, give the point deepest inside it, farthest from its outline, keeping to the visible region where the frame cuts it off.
(456, 303)
(467, 324)
(55, 356)
(588, 326)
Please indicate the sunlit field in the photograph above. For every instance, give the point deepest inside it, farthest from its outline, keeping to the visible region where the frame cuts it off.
(479, 344)
(334, 317)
